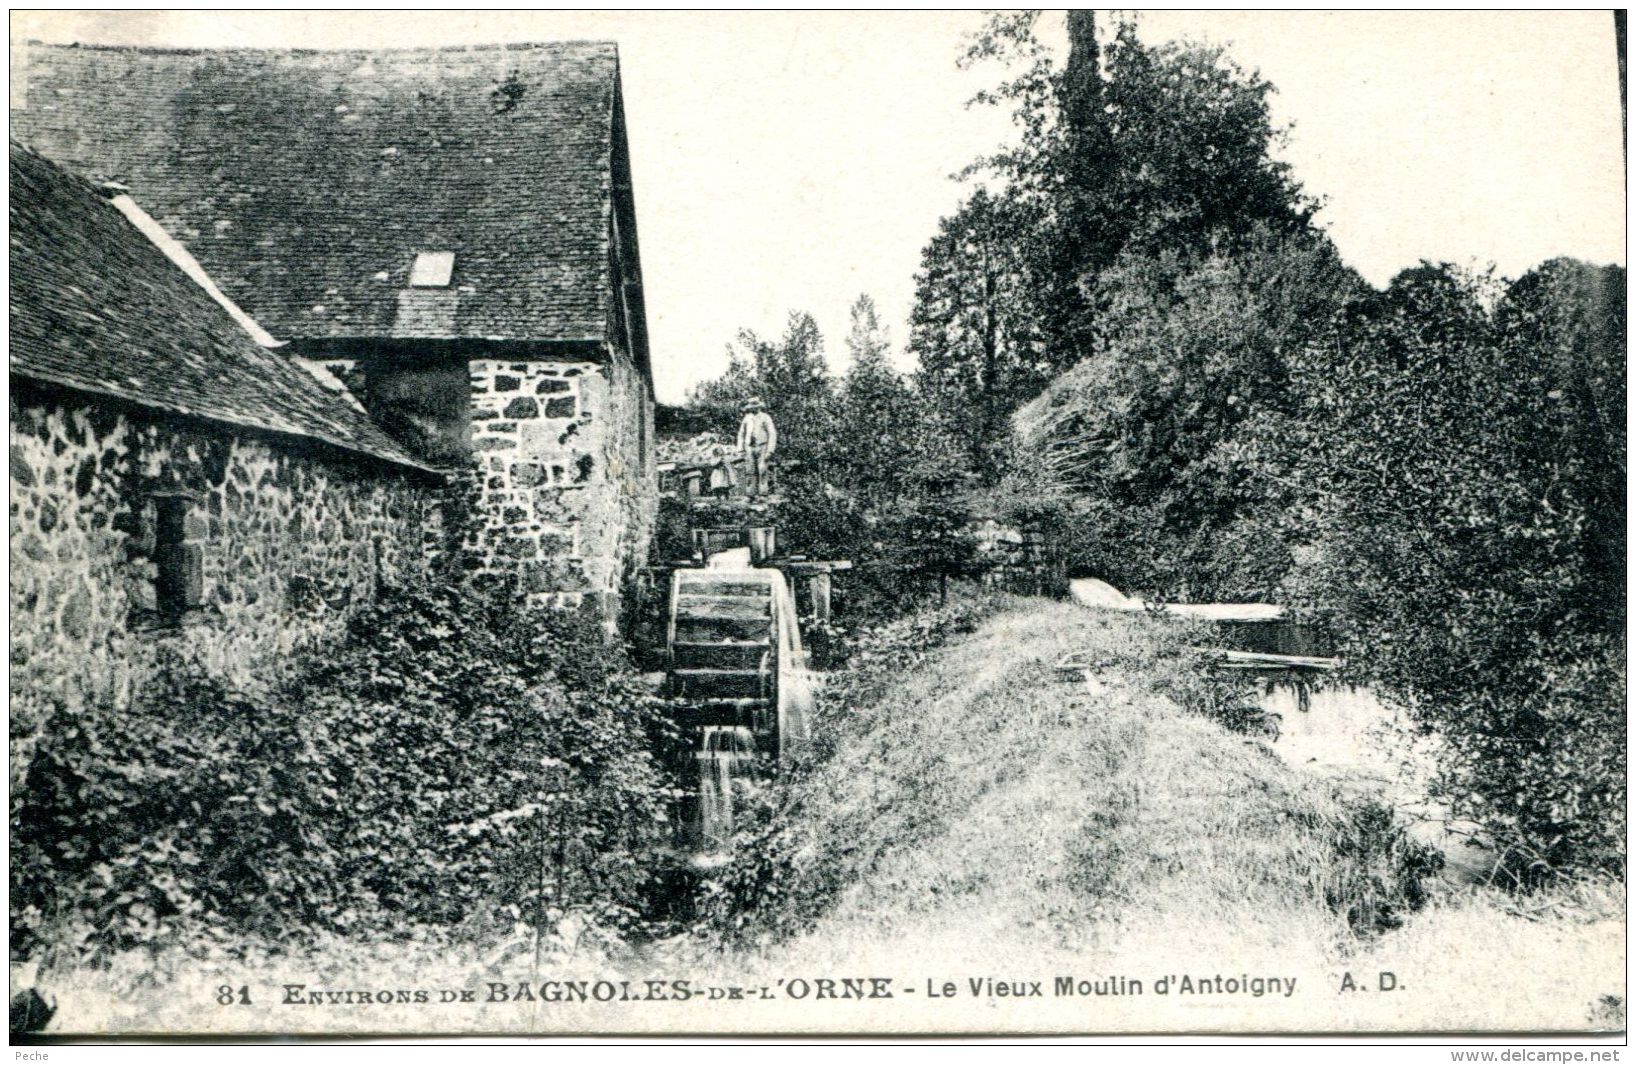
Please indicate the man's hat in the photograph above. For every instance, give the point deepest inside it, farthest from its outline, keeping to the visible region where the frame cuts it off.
(754, 403)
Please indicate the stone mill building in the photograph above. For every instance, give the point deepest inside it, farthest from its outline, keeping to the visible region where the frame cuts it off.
(448, 236)
(286, 325)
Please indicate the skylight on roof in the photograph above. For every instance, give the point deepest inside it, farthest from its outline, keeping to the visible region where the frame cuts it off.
(432, 269)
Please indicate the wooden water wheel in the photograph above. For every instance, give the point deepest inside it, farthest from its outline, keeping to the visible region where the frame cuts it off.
(735, 656)
(724, 650)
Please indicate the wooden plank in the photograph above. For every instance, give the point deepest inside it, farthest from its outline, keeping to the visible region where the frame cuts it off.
(803, 567)
(729, 503)
(818, 589)
(691, 607)
(737, 645)
(719, 630)
(1261, 660)
(703, 711)
(703, 583)
(708, 542)
(713, 673)
(728, 654)
(720, 683)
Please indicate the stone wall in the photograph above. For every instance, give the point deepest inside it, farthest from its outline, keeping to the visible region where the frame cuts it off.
(566, 489)
(1016, 560)
(293, 536)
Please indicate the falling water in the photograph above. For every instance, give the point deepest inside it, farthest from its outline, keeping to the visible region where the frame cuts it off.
(1336, 730)
(726, 754)
(794, 675)
(734, 558)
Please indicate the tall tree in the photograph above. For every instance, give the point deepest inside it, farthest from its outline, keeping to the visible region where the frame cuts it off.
(868, 344)
(879, 420)
(1081, 94)
(1167, 149)
(789, 374)
(979, 347)
(1127, 151)
(1086, 236)
(1195, 146)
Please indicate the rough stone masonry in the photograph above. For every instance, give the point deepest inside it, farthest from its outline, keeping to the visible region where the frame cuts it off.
(567, 495)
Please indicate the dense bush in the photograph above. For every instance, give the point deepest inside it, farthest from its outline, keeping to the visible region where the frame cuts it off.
(1381, 873)
(458, 761)
(1459, 460)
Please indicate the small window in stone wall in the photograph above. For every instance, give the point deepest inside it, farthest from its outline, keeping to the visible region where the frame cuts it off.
(179, 580)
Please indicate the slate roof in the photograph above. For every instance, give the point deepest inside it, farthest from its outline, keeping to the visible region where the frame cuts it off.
(306, 181)
(95, 306)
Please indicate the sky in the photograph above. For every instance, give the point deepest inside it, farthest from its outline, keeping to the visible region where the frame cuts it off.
(794, 160)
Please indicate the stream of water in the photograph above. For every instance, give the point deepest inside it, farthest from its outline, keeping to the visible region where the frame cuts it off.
(1338, 732)
(726, 754)
(1348, 736)
(727, 757)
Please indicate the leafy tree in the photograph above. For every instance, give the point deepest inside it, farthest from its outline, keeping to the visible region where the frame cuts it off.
(724, 396)
(979, 348)
(868, 343)
(1048, 177)
(1160, 150)
(878, 416)
(1193, 143)
(1133, 164)
(789, 374)
(1451, 461)
(1442, 466)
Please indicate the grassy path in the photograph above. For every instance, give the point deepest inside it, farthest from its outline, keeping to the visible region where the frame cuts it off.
(988, 819)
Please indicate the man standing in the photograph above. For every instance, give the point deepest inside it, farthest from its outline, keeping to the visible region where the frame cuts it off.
(757, 439)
